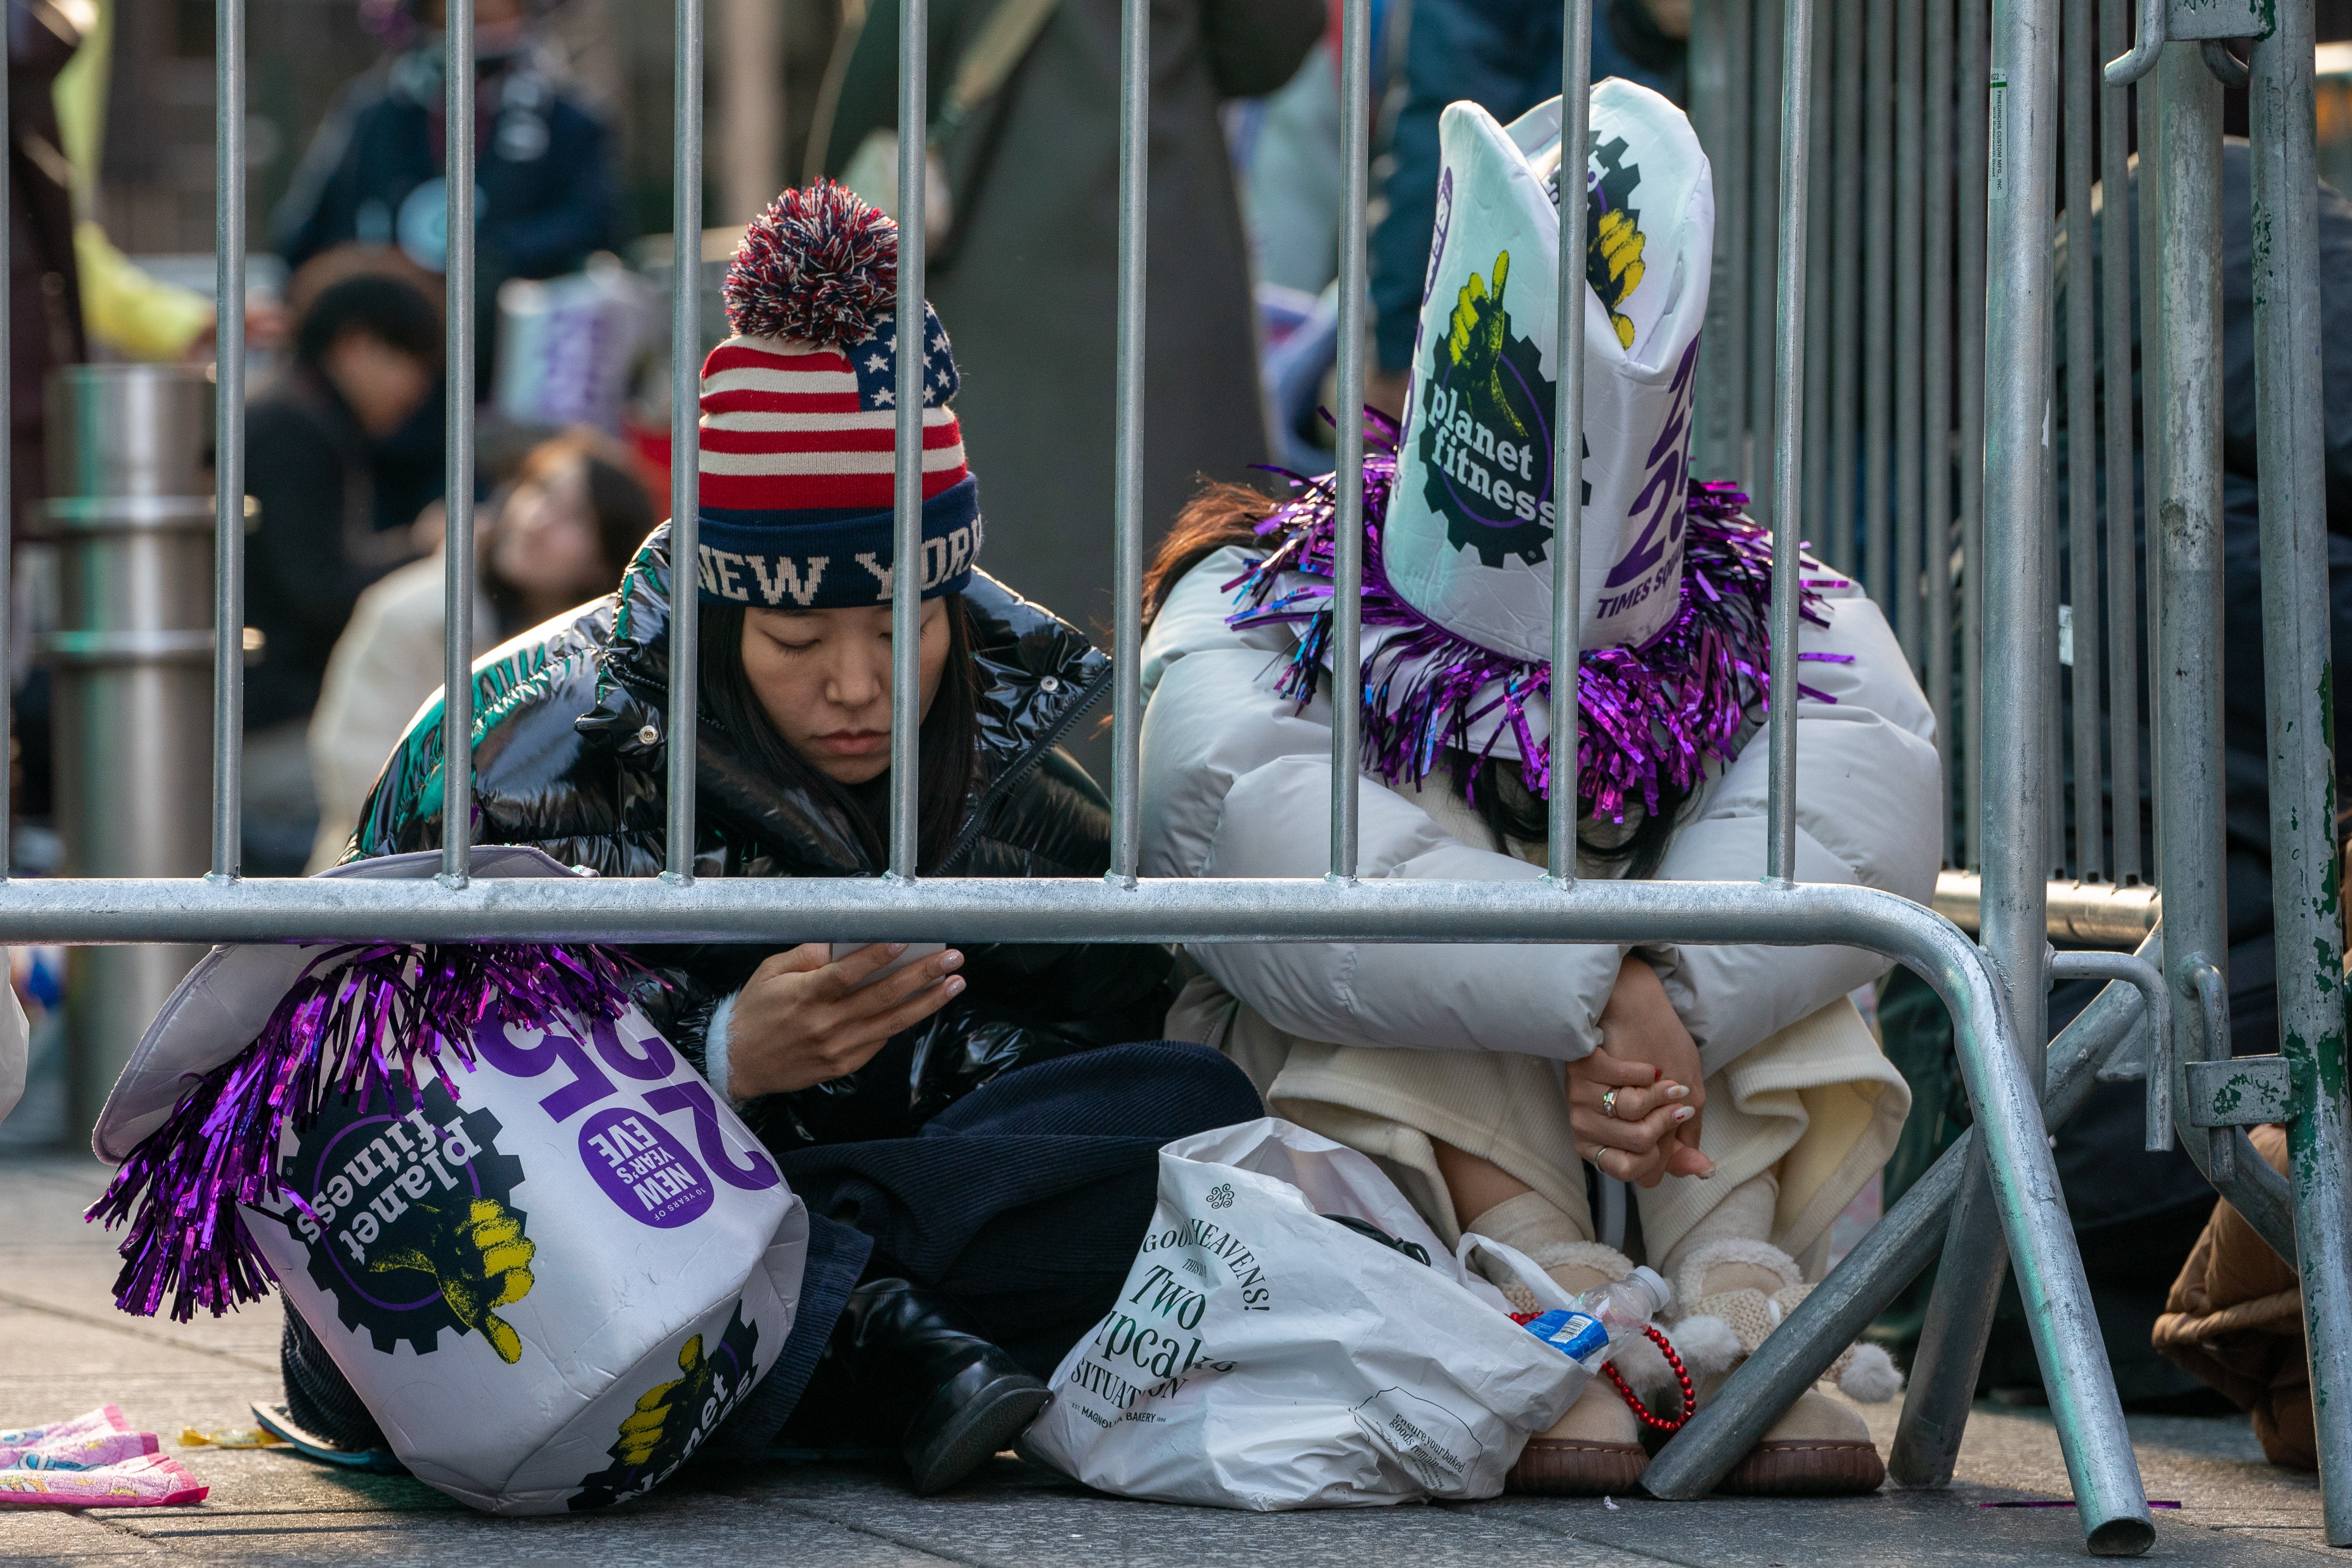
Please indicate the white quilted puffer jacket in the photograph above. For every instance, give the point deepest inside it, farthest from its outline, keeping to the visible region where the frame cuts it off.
(1236, 783)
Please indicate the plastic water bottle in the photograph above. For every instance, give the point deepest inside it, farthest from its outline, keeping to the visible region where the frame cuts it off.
(1603, 1319)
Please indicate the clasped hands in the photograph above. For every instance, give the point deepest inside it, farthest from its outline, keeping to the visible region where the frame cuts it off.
(1635, 1105)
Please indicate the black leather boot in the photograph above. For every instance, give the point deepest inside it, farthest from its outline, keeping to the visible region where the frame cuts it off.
(960, 1398)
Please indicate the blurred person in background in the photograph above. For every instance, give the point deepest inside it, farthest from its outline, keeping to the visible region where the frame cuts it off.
(560, 536)
(548, 196)
(337, 512)
(1503, 55)
(1028, 269)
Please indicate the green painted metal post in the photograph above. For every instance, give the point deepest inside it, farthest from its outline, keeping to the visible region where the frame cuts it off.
(2291, 460)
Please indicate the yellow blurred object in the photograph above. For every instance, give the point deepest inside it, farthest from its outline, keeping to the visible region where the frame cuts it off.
(230, 1437)
(128, 311)
(134, 314)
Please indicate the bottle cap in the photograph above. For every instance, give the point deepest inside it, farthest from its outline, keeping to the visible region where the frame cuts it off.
(1650, 1279)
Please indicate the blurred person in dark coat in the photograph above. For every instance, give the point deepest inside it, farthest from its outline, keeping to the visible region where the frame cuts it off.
(1029, 272)
(1503, 55)
(339, 497)
(43, 320)
(549, 195)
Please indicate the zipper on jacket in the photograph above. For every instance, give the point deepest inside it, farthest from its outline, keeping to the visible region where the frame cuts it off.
(1022, 764)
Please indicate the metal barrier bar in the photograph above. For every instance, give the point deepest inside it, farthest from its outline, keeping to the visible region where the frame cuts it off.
(684, 456)
(2113, 1506)
(1127, 554)
(1788, 470)
(906, 498)
(1820, 225)
(2081, 56)
(1764, 201)
(1902, 589)
(2290, 433)
(2009, 602)
(1974, 140)
(458, 489)
(1878, 309)
(1568, 443)
(2100, 914)
(229, 453)
(2148, 103)
(2122, 549)
(2186, 533)
(1845, 292)
(1889, 1256)
(1937, 364)
(1348, 549)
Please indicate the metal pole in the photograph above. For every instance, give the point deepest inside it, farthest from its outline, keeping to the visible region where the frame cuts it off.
(1819, 223)
(1568, 442)
(2010, 705)
(1974, 142)
(228, 447)
(1712, 449)
(2082, 66)
(1937, 360)
(1910, 288)
(457, 651)
(1878, 314)
(1764, 204)
(1789, 424)
(1126, 500)
(906, 498)
(1845, 291)
(1889, 1256)
(2123, 550)
(684, 456)
(2022, 118)
(2149, 101)
(1348, 551)
(2291, 437)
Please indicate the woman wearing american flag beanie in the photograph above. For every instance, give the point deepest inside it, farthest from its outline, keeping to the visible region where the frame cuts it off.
(974, 1129)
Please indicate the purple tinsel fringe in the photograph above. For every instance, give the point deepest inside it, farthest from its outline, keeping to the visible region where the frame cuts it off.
(381, 1010)
(1650, 714)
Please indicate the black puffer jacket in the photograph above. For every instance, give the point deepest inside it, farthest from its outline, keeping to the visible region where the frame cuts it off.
(569, 757)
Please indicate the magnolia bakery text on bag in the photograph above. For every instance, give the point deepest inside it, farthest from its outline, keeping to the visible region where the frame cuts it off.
(546, 1257)
(1262, 1356)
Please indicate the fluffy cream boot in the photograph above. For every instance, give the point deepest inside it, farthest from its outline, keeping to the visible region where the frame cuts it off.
(1596, 1448)
(1731, 1293)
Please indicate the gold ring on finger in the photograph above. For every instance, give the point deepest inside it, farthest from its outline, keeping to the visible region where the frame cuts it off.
(1609, 1105)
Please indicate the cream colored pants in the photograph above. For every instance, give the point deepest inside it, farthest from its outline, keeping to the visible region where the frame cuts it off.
(1818, 1104)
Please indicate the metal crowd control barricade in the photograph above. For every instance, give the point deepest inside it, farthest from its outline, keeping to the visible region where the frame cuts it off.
(1847, 271)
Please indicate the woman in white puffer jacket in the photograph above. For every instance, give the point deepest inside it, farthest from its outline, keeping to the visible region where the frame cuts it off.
(1737, 1087)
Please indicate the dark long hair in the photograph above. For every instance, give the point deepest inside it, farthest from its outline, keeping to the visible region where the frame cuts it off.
(949, 753)
(1223, 514)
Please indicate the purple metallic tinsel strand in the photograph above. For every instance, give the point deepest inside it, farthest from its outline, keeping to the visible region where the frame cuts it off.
(359, 1020)
(1653, 714)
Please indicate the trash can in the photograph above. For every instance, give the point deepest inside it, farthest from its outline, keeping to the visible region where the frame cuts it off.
(131, 515)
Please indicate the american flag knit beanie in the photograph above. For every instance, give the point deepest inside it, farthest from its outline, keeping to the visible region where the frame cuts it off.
(799, 414)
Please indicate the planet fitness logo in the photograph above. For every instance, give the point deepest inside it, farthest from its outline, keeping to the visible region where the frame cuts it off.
(403, 1203)
(673, 1419)
(1486, 430)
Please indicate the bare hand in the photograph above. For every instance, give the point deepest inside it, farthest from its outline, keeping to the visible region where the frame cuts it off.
(1649, 1128)
(801, 1019)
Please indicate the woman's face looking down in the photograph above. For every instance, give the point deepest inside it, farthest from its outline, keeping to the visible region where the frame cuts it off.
(823, 677)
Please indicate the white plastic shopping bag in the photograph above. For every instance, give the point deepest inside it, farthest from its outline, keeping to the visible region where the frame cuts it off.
(1262, 1356)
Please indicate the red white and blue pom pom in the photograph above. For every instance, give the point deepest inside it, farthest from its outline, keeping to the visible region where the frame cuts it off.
(821, 264)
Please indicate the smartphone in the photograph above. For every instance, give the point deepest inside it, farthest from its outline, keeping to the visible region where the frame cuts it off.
(915, 951)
